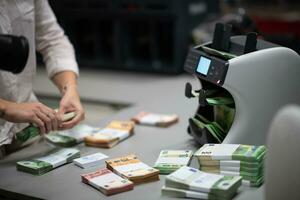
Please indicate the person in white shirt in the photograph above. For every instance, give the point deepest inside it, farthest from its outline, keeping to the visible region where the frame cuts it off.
(35, 20)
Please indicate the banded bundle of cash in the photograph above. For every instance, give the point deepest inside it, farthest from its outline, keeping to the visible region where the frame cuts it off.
(171, 160)
(92, 160)
(224, 112)
(154, 119)
(114, 133)
(45, 164)
(132, 168)
(72, 136)
(30, 133)
(107, 182)
(213, 128)
(193, 183)
(233, 159)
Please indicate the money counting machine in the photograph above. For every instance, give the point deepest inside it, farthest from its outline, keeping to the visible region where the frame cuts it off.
(244, 82)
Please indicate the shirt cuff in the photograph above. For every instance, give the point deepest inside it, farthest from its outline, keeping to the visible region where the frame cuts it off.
(62, 65)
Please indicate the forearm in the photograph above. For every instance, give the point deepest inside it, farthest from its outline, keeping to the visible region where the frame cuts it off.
(2, 108)
(65, 81)
(3, 105)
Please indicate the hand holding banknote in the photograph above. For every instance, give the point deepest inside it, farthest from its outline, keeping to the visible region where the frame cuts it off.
(45, 118)
(70, 102)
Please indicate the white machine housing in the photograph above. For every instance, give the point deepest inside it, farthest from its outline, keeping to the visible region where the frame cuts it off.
(260, 82)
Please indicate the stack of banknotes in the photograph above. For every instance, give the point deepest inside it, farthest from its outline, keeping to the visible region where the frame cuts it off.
(130, 167)
(45, 164)
(213, 128)
(171, 160)
(107, 182)
(234, 159)
(189, 182)
(92, 160)
(72, 136)
(114, 133)
(154, 119)
(31, 133)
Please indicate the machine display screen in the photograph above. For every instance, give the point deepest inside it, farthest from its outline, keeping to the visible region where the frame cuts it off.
(203, 65)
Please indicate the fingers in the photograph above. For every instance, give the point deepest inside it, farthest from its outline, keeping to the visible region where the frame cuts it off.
(40, 124)
(70, 124)
(46, 120)
(49, 117)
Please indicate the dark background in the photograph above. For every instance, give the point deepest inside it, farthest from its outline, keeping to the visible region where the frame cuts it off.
(154, 35)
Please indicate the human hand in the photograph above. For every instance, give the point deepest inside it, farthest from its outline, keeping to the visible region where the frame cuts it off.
(70, 102)
(45, 118)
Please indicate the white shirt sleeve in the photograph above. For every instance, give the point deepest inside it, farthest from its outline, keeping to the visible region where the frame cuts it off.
(55, 47)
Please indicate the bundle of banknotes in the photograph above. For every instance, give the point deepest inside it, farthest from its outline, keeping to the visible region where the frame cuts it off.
(107, 182)
(224, 111)
(224, 116)
(72, 136)
(188, 182)
(92, 160)
(213, 128)
(42, 165)
(234, 159)
(130, 167)
(108, 137)
(171, 160)
(31, 133)
(154, 119)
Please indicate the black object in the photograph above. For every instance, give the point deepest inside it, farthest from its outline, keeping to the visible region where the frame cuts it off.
(14, 51)
(188, 90)
(251, 42)
(221, 40)
(218, 35)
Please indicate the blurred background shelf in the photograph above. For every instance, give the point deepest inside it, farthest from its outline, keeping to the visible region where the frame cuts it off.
(154, 35)
(148, 35)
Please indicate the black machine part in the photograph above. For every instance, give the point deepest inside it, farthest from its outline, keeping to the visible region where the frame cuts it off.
(14, 51)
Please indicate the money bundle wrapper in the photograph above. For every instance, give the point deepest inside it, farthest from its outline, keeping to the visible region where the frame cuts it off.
(132, 168)
(47, 163)
(171, 160)
(114, 133)
(92, 160)
(154, 119)
(72, 136)
(107, 182)
(192, 183)
(234, 159)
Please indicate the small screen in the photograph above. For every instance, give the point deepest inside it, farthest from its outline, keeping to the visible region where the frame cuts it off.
(203, 65)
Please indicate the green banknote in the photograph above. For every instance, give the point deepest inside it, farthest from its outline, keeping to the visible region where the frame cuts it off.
(30, 133)
(246, 161)
(248, 153)
(257, 183)
(219, 101)
(171, 160)
(41, 165)
(224, 116)
(230, 163)
(27, 133)
(250, 170)
(254, 176)
(72, 136)
(213, 128)
(181, 193)
(188, 178)
(61, 140)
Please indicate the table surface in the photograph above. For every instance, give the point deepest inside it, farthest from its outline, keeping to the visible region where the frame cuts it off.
(148, 92)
